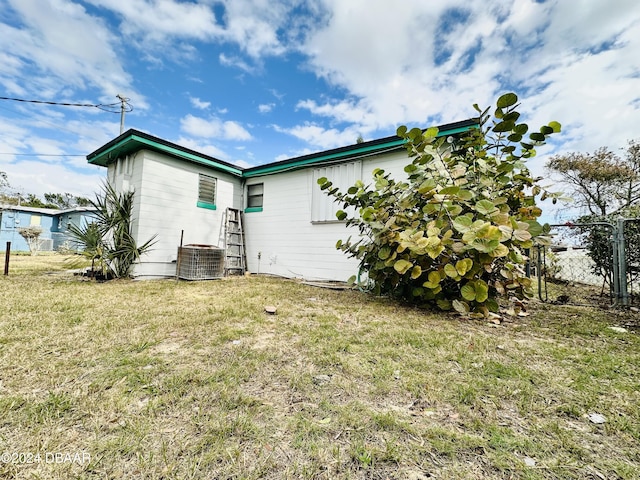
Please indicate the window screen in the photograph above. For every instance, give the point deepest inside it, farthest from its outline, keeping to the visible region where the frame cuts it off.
(343, 176)
(207, 189)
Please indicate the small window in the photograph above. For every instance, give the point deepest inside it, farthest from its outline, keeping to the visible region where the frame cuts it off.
(207, 192)
(255, 195)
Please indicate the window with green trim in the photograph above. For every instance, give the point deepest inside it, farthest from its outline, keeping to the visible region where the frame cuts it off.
(207, 187)
(255, 196)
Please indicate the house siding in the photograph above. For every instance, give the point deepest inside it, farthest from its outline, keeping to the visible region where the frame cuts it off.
(165, 205)
(283, 233)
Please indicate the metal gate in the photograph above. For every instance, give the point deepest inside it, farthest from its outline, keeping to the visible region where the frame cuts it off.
(590, 264)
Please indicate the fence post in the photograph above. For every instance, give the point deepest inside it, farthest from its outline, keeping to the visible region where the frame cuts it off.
(7, 255)
(622, 263)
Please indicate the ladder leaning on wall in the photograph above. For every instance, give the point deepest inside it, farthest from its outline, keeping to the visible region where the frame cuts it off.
(235, 257)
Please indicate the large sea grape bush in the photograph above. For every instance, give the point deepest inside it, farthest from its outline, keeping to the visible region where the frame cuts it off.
(455, 233)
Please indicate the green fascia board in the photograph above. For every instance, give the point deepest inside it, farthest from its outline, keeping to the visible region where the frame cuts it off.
(398, 142)
(252, 209)
(135, 142)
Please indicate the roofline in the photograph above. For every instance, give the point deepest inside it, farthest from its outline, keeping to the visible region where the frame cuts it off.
(351, 151)
(48, 211)
(103, 155)
(26, 209)
(134, 140)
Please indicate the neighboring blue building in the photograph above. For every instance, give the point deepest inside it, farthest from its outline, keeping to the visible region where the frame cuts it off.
(54, 223)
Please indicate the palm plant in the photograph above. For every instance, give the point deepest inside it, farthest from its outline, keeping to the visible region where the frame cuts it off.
(109, 240)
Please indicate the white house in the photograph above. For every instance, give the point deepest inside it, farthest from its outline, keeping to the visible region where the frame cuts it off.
(289, 223)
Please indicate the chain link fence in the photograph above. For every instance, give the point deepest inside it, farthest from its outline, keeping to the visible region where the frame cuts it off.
(590, 264)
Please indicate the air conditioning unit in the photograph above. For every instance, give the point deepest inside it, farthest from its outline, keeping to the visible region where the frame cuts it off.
(200, 262)
(45, 244)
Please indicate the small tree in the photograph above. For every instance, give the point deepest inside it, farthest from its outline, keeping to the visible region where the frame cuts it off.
(32, 235)
(455, 233)
(607, 187)
(601, 182)
(109, 241)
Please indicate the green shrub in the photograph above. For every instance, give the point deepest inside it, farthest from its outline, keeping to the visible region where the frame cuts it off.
(455, 233)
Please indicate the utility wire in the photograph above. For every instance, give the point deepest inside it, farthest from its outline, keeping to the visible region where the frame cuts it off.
(108, 107)
(40, 154)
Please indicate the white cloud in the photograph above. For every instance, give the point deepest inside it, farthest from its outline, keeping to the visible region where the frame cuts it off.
(213, 128)
(205, 148)
(237, 62)
(319, 136)
(266, 107)
(40, 177)
(569, 61)
(59, 44)
(199, 104)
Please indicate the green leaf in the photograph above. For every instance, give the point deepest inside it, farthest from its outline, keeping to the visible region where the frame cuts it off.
(322, 180)
(507, 100)
(514, 137)
(402, 266)
(401, 131)
(555, 126)
(482, 291)
(521, 128)
(500, 251)
(384, 253)
(535, 228)
(460, 307)
(443, 304)
(416, 272)
(449, 190)
(434, 247)
(545, 130)
(511, 117)
(521, 235)
(451, 271)
(463, 266)
(462, 223)
(341, 214)
(431, 132)
(427, 186)
(415, 133)
(468, 292)
(485, 207)
(352, 190)
(465, 195)
(537, 137)
(434, 277)
(504, 127)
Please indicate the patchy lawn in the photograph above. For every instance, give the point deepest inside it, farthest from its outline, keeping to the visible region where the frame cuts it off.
(192, 380)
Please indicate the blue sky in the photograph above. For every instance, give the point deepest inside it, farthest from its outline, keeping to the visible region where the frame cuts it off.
(254, 81)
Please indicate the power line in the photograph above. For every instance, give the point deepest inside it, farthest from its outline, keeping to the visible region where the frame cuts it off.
(107, 107)
(40, 154)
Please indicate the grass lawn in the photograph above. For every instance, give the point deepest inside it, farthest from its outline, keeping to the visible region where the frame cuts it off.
(192, 380)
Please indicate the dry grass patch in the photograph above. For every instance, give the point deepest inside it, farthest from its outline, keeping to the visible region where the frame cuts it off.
(193, 380)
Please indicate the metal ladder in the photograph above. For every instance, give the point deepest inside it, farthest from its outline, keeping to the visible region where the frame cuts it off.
(235, 257)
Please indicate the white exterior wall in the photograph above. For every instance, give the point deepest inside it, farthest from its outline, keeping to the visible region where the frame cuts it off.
(165, 204)
(283, 233)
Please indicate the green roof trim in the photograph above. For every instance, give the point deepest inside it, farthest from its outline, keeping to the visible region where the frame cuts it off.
(339, 154)
(133, 141)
